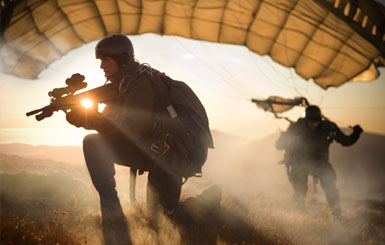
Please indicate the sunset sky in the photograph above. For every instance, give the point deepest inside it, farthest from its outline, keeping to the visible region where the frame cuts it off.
(225, 77)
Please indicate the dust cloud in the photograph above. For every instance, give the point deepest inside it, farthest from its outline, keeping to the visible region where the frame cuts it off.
(256, 187)
(244, 197)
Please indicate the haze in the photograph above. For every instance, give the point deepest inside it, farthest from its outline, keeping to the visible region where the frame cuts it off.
(225, 77)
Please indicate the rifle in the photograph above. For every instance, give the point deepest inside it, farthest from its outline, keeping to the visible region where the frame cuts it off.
(65, 98)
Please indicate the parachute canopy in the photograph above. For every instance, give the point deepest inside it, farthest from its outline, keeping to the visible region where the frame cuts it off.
(331, 41)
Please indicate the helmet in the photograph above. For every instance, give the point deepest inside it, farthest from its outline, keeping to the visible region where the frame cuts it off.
(313, 113)
(118, 47)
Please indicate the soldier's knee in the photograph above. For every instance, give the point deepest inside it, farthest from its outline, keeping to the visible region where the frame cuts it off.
(328, 176)
(163, 189)
(328, 170)
(329, 186)
(90, 140)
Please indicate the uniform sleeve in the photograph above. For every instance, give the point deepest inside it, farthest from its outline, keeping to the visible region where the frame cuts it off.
(285, 139)
(102, 122)
(344, 139)
(134, 117)
(138, 109)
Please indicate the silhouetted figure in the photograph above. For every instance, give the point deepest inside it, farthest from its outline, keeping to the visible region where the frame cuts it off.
(307, 153)
(125, 132)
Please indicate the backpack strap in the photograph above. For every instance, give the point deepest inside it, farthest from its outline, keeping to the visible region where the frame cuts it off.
(157, 74)
(162, 90)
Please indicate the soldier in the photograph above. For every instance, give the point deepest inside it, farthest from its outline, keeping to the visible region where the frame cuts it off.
(124, 127)
(307, 153)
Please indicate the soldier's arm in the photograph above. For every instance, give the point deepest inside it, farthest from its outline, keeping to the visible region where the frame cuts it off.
(103, 122)
(135, 116)
(286, 138)
(81, 117)
(346, 140)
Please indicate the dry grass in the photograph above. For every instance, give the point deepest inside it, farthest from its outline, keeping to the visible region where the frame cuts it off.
(40, 226)
(241, 214)
(250, 220)
(17, 230)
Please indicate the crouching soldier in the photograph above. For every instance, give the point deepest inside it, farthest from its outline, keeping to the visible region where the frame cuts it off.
(124, 128)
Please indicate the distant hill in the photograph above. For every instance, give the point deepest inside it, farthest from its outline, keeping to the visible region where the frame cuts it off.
(35, 186)
(74, 154)
(223, 140)
(68, 154)
(252, 166)
(360, 168)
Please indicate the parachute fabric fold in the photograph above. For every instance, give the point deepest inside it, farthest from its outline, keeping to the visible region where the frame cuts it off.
(330, 41)
(277, 104)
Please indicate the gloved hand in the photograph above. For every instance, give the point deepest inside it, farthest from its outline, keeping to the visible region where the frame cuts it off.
(357, 129)
(81, 117)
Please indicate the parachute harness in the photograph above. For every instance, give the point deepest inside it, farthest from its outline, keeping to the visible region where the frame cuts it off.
(124, 83)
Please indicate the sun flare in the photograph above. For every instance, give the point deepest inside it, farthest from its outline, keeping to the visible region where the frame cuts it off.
(87, 103)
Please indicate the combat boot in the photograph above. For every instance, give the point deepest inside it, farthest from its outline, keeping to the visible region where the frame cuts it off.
(299, 202)
(336, 212)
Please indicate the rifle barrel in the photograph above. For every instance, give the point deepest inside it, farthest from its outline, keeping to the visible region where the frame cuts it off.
(35, 111)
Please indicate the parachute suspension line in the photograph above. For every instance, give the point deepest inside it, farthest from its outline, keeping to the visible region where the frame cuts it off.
(232, 78)
(307, 91)
(231, 85)
(205, 75)
(291, 78)
(291, 87)
(283, 84)
(322, 96)
(355, 108)
(230, 75)
(273, 81)
(201, 60)
(192, 53)
(321, 93)
(225, 92)
(345, 125)
(218, 86)
(278, 127)
(212, 69)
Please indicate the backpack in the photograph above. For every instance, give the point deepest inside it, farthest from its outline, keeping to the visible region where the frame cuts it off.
(181, 134)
